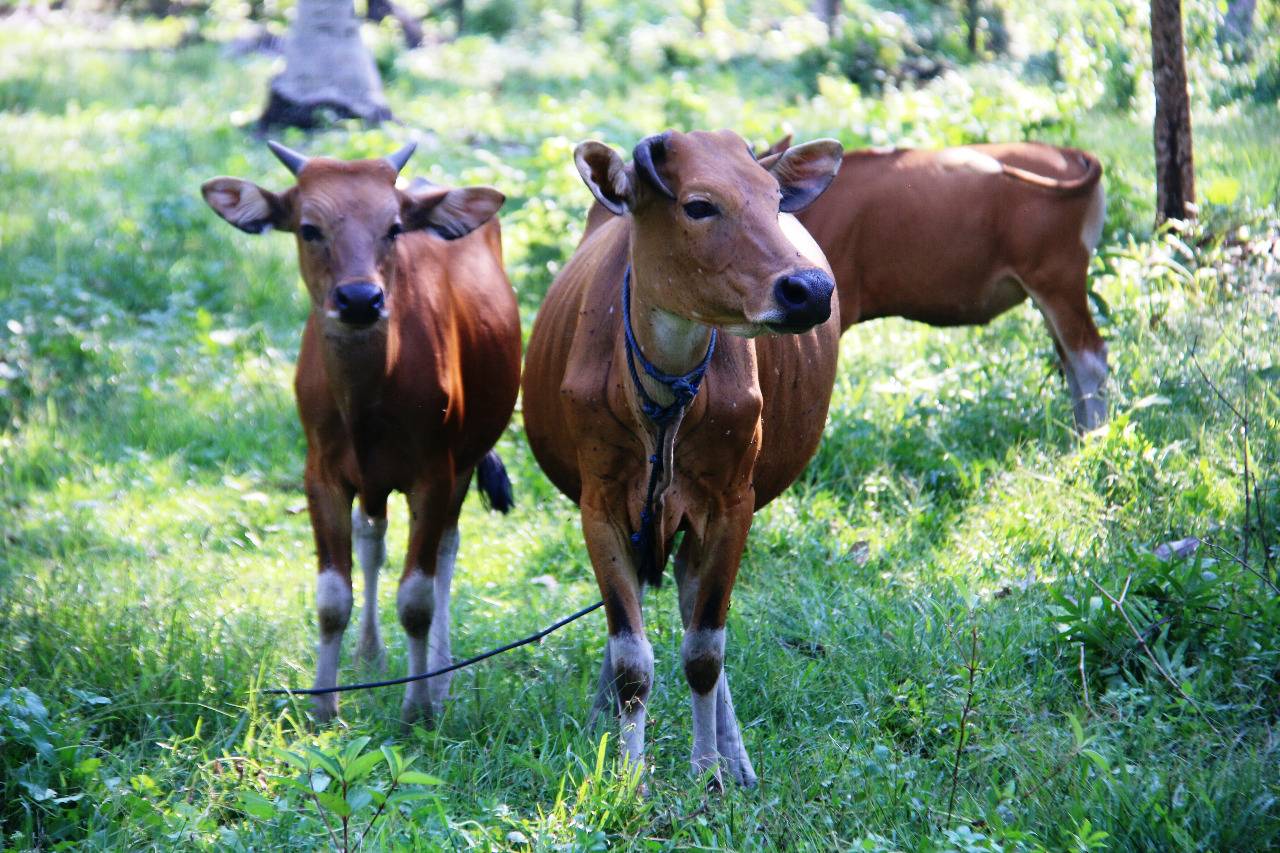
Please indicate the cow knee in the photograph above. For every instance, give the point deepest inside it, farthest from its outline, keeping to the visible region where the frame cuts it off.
(703, 655)
(333, 602)
(415, 603)
(632, 657)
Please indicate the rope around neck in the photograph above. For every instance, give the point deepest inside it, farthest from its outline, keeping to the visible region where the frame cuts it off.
(683, 388)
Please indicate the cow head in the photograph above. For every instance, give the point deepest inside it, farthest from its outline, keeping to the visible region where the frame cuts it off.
(712, 238)
(347, 216)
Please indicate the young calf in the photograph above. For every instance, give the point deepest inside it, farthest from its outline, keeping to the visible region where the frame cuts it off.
(702, 240)
(961, 235)
(408, 373)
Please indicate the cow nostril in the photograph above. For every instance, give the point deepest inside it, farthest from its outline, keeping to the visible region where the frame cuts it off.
(792, 291)
(359, 303)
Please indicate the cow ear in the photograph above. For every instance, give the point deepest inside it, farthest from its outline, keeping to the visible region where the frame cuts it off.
(804, 171)
(248, 206)
(776, 148)
(605, 174)
(450, 213)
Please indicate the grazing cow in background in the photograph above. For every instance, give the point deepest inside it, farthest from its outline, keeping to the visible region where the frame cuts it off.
(701, 242)
(958, 236)
(408, 374)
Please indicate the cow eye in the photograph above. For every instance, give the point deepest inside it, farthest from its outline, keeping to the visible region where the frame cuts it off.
(699, 209)
(394, 231)
(310, 233)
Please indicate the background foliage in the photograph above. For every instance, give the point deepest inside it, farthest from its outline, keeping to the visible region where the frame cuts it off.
(155, 562)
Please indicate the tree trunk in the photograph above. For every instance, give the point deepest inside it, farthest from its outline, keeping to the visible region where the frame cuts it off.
(1175, 173)
(971, 22)
(1237, 25)
(326, 67)
(409, 26)
(579, 15)
(828, 11)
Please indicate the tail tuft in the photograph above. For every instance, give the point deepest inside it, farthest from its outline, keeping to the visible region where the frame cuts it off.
(494, 484)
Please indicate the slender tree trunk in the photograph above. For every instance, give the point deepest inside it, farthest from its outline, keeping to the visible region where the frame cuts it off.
(971, 22)
(409, 26)
(1238, 22)
(1175, 172)
(828, 11)
(326, 67)
(579, 15)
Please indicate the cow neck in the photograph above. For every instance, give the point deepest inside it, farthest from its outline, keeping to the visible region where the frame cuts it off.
(662, 414)
(358, 367)
(671, 352)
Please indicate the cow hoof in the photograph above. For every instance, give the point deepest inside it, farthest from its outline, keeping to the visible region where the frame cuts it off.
(414, 714)
(745, 777)
(325, 708)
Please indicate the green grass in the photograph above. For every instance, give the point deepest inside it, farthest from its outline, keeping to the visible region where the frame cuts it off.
(156, 569)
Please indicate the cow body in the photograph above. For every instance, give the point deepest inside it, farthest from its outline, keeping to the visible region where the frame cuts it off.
(958, 236)
(744, 438)
(407, 375)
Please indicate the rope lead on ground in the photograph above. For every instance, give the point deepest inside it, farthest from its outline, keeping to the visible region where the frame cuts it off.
(369, 685)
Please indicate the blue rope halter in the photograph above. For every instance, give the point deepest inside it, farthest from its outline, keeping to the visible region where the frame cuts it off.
(683, 389)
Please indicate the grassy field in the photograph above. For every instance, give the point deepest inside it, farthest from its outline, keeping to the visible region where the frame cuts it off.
(943, 566)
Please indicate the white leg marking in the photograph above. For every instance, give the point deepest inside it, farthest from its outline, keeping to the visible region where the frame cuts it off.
(703, 649)
(632, 653)
(439, 654)
(606, 701)
(333, 610)
(1087, 376)
(414, 603)
(729, 737)
(371, 550)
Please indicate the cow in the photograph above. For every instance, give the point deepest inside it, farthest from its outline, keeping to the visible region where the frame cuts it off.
(407, 376)
(650, 401)
(957, 236)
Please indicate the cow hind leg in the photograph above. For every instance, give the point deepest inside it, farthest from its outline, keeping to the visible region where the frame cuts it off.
(369, 535)
(729, 737)
(1084, 354)
(606, 704)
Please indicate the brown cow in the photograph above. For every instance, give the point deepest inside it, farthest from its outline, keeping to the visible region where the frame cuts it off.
(702, 235)
(960, 235)
(408, 374)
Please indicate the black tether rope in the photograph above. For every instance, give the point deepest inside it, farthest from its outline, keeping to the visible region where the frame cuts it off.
(683, 389)
(368, 685)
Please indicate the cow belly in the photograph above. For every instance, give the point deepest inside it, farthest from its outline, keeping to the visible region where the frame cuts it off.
(947, 302)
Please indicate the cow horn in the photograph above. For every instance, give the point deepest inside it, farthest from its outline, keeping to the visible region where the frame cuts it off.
(650, 149)
(293, 161)
(398, 159)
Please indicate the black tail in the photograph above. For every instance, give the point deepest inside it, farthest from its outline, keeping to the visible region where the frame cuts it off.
(494, 484)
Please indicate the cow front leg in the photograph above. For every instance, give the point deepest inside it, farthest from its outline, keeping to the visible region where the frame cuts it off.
(705, 573)
(330, 507)
(439, 651)
(369, 534)
(432, 513)
(628, 655)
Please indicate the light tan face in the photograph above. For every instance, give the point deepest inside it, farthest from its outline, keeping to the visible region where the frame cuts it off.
(347, 218)
(713, 240)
